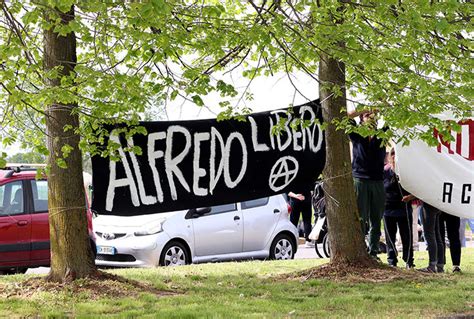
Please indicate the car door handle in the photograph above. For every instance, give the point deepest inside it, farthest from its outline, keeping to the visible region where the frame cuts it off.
(276, 211)
(22, 223)
(236, 218)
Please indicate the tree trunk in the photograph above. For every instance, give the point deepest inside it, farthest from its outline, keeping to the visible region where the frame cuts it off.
(345, 234)
(71, 255)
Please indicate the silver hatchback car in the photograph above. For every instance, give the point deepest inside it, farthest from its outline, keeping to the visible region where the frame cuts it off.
(255, 229)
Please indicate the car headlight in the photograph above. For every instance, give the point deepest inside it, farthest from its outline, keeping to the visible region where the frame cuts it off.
(153, 228)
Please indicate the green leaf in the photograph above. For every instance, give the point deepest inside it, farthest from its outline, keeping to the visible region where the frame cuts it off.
(174, 94)
(66, 150)
(197, 100)
(61, 163)
(3, 160)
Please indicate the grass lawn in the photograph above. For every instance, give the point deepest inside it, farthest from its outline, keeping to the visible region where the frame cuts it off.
(252, 289)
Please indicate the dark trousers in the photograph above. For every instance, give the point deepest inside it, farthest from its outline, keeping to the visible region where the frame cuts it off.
(450, 224)
(371, 203)
(403, 223)
(433, 236)
(303, 207)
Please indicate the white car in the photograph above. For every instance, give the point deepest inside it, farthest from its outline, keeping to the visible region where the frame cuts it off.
(254, 229)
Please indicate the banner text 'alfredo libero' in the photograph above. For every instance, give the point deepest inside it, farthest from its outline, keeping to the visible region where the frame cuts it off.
(188, 164)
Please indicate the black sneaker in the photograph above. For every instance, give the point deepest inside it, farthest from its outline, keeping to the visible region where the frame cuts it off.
(428, 270)
(440, 270)
(410, 266)
(456, 269)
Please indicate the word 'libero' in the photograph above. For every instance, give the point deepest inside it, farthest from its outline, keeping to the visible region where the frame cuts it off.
(297, 140)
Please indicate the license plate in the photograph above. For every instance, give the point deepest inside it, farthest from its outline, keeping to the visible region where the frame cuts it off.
(314, 235)
(106, 250)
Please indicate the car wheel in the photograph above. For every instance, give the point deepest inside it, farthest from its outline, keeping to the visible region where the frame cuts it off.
(174, 254)
(13, 271)
(21, 270)
(326, 250)
(282, 248)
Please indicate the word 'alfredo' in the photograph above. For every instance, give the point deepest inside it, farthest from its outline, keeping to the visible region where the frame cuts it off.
(220, 152)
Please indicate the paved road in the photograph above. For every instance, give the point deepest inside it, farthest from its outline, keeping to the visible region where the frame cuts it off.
(302, 253)
(39, 270)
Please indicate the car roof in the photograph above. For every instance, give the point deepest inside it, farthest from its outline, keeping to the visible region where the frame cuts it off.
(10, 175)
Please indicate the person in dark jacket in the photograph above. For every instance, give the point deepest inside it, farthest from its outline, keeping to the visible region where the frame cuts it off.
(397, 215)
(368, 155)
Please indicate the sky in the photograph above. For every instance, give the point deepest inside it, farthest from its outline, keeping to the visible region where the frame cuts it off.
(269, 93)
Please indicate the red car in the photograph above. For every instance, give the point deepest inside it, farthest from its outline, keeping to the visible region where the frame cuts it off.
(24, 226)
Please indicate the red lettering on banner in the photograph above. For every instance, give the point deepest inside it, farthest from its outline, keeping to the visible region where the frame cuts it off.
(463, 143)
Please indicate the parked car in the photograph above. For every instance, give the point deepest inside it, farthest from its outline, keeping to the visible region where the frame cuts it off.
(255, 229)
(24, 226)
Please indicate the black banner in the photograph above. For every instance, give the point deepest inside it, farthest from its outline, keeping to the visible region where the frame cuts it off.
(190, 164)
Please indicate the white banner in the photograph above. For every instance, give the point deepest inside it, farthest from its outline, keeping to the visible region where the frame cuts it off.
(443, 175)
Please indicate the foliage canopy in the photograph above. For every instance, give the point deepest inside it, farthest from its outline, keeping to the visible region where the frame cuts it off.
(409, 59)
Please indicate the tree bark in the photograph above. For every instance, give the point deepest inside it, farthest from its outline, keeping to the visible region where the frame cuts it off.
(71, 255)
(345, 235)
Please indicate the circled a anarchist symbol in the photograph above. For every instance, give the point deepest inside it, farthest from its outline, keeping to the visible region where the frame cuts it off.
(283, 173)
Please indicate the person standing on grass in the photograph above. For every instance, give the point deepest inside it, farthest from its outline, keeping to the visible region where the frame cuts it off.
(449, 224)
(368, 155)
(397, 215)
(433, 238)
(300, 203)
